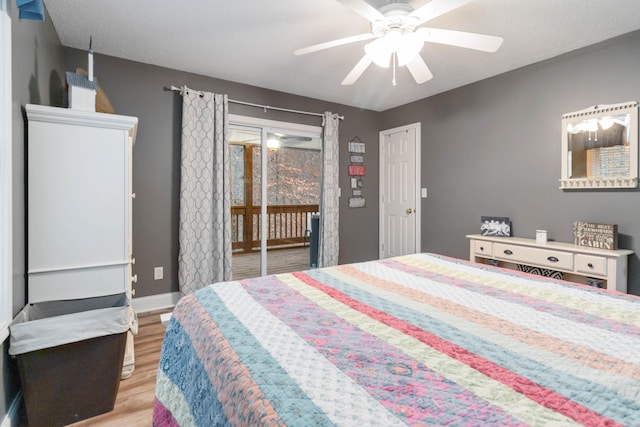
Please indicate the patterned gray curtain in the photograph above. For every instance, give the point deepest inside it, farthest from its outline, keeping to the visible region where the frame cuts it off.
(328, 245)
(205, 194)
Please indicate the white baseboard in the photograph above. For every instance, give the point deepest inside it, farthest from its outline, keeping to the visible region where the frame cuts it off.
(11, 419)
(154, 302)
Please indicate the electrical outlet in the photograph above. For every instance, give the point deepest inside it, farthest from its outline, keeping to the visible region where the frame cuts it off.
(158, 273)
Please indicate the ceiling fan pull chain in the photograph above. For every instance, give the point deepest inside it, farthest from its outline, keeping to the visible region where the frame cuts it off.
(393, 81)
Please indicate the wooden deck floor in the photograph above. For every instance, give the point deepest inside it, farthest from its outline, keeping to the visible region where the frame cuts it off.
(278, 261)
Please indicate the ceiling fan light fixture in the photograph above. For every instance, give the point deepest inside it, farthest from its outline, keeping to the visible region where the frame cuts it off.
(408, 48)
(379, 52)
(406, 45)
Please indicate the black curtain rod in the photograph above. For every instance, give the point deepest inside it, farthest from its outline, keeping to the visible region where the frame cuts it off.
(250, 104)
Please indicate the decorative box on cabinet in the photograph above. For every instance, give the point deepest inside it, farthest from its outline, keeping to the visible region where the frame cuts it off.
(577, 262)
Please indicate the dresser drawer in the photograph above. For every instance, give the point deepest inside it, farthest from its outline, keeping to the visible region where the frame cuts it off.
(590, 264)
(557, 260)
(482, 248)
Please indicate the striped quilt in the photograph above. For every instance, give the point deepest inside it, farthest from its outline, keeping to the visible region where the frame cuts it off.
(414, 340)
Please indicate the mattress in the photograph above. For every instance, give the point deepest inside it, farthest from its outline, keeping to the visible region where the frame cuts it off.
(414, 340)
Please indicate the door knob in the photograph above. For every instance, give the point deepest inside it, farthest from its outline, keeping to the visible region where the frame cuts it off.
(409, 211)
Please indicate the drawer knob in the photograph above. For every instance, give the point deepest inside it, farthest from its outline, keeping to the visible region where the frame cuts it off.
(508, 252)
(552, 259)
(482, 248)
(590, 265)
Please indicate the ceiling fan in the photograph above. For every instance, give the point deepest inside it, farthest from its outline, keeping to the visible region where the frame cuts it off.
(399, 41)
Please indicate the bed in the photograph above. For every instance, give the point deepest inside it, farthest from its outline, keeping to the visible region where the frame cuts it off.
(414, 340)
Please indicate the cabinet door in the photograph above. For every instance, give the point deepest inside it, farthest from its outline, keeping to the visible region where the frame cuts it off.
(77, 188)
(78, 204)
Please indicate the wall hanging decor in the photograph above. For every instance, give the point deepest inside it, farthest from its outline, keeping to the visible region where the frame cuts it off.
(357, 171)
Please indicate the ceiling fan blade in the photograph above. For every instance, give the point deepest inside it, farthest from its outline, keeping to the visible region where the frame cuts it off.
(357, 71)
(435, 8)
(364, 9)
(334, 43)
(419, 70)
(475, 41)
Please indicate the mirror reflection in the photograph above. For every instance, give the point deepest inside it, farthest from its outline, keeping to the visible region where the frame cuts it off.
(599, 147)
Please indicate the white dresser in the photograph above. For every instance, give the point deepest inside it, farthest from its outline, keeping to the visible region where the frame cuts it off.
(79, 203)
(577, 262)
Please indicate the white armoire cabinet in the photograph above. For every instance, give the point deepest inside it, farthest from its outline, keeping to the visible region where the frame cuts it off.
(78, 203)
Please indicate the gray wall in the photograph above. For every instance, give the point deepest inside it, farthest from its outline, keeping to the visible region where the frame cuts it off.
(37, 77)
(493, 148)
(137, 89)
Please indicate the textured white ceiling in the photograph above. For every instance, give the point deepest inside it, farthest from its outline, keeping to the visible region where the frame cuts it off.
(252, 41)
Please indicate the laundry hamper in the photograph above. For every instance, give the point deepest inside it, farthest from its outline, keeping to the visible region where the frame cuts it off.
(70, 356)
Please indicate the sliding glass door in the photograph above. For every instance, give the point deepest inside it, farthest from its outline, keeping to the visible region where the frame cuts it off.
(245, 206)
(275, 170)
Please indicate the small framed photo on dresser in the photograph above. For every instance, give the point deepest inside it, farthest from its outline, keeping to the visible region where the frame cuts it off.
(495, 226)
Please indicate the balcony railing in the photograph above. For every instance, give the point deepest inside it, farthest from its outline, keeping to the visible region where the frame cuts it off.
(287, 226)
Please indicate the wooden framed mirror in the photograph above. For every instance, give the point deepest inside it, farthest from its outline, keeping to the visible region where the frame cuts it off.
(600, 147)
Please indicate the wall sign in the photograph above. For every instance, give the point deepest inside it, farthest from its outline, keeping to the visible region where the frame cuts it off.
(356, 146)
(357, 170)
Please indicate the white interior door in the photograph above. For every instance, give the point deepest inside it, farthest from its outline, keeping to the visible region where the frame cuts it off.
(400, 191)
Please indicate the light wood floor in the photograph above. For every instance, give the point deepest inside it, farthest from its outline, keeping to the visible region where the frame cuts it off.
(134, 403)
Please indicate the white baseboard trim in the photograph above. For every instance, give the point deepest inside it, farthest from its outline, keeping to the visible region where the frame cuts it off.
(11, 419)
(154, 302)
